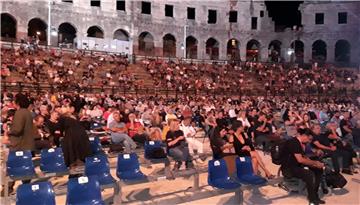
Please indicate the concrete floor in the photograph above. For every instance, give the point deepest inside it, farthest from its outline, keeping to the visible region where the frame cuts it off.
(176, 191)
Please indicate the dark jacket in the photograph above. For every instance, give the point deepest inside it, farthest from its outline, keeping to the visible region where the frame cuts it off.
(21, 131)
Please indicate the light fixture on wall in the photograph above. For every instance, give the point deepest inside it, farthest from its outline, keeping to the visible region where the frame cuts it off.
(38, 33)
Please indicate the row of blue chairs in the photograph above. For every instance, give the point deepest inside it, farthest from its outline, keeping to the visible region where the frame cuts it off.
(218, 175)
(20, 165)
(81, 191)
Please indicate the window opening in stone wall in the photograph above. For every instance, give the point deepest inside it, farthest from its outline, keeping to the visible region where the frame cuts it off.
(212, 17)
(253, 23)
(319, 18)
(233, 16)
(169, 10)
(342, 18)
(120, 5)
(191, 13)
(145, 7)
(95, 3)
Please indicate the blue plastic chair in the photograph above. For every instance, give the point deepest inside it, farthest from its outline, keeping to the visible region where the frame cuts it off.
(99, 166)
(218, 176)
(40, 193)
(20, 164)
(95, 145)
(150, 146)
(128, 168)
(52, 161)
(245, 172)
(84, 191)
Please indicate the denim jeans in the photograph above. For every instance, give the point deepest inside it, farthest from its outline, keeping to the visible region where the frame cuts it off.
(180, 153)
(128, 143)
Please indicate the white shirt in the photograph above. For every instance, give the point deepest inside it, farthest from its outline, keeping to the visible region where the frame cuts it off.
(110, 120)
(245, 122)
(188, 131)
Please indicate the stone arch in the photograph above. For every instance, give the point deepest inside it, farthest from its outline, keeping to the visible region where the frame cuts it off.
(212, 48)
(342, 51)
(275, 51)
(191, 47)
(233, 49)
(298, 48)
(95, 32)
(253, 50)
(8, 26)
(66, 33)
(37, 29)
(319, 51)
(169, 45)
(121, 35)
(146, 43)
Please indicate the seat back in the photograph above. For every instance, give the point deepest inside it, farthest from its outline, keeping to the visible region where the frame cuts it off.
(84, 190)
(52, 161)
(244, 166)
(20, 164)
(99, 166)
(217, 170)
(127, 164)
(150, 146)
(95, 145)
(40, 193)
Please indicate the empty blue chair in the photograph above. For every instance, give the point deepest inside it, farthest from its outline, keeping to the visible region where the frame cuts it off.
(128, 168)
(150, 147)
(40, 193)
(245, 172)
(84, 191)
(218, 175)
(52, 161)
(99, 166)
(95, 145)
(20, 164)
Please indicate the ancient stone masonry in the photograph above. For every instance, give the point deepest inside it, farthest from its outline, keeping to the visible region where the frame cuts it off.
(330, 30)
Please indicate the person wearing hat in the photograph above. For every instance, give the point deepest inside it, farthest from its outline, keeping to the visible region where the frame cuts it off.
(296, 164)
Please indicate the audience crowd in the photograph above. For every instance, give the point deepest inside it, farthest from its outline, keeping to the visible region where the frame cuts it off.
(235, 126)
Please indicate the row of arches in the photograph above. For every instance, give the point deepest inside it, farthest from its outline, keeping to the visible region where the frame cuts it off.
(68, 32)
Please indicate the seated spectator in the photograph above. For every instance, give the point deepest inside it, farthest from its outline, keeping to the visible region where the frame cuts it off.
(327, 143)
(135, 129)
(296, 164)
(177, 146)
(244, 147)
(119, 133)
(219, 144)
(189, 133)
(42, 140)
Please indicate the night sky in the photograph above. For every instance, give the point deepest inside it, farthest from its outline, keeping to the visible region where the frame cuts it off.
(284, 13)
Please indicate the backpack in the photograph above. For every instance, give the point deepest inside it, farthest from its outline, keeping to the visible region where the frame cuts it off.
(335, 180)
(158, 153)
(276, 152)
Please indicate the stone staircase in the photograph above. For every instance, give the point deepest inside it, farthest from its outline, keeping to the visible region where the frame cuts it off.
(142, 75)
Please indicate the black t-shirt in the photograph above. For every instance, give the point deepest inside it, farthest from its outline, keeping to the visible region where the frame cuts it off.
(238, 146)
(323, 139)
(170, 136)
(292, 147)
(259, 124)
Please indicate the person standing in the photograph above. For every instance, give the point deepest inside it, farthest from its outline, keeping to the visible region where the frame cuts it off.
(21, 131)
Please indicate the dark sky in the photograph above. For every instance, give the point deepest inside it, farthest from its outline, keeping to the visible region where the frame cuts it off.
(284, 13)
